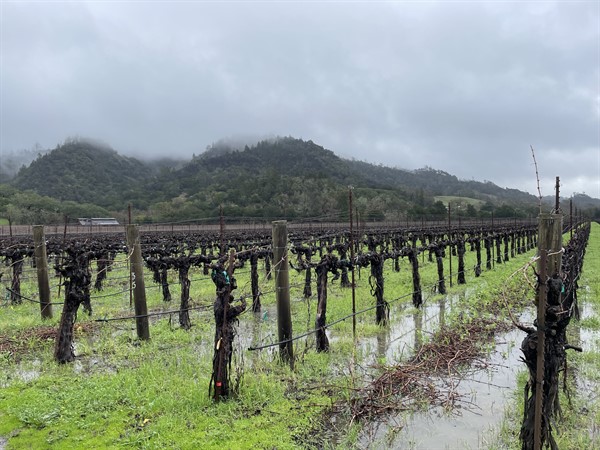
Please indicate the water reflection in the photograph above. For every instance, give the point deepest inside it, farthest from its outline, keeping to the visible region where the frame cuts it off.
(488, 389)
(418, 321)
(383, 342)
(442, 305)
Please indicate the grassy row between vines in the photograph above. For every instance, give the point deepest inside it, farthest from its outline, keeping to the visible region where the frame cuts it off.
(121, 392)
(579, 426)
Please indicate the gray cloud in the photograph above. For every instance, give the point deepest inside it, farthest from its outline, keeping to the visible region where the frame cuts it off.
(464, 87)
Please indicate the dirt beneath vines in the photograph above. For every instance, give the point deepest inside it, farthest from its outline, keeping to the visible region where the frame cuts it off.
(25, 341)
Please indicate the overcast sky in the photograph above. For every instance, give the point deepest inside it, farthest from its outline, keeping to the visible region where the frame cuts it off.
(465, 87)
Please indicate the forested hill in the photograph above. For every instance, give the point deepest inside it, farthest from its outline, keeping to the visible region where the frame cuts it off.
(282, 177)
(286, 157)
(83, 171)
(438, 182)
(294, 157)
(289, 157)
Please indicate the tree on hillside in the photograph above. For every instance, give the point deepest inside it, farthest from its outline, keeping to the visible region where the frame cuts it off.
(471, 211)
(505, 211)
(437, 209)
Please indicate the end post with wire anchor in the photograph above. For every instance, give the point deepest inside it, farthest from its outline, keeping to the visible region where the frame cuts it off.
(540, 346)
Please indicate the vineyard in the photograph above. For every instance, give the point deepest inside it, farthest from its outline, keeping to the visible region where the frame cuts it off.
(261, 337)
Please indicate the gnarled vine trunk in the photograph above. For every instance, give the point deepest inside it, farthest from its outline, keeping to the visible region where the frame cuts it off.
(184, 312)
(441, 284)
(225, 318)
(417, 296)
(460, 249)
(321, 319)
(78, 279)
(377, 289)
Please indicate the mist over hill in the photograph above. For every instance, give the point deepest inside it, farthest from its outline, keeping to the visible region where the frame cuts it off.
(11, 162)
(280, 177)
(580, 201)
(83, 171)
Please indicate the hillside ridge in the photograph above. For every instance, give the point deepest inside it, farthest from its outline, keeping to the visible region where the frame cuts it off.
(279, 177)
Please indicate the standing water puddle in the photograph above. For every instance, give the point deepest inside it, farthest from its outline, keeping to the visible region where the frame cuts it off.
(485, 393)
(406, 331)
(485, 390)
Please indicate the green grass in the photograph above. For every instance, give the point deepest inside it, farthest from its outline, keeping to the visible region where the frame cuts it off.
(124, 393)
(3, 221)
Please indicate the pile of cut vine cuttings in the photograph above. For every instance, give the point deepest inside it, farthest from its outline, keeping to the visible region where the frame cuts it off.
(430, 378)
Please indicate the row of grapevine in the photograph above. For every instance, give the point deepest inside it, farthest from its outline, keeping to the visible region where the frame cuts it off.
(73, 256)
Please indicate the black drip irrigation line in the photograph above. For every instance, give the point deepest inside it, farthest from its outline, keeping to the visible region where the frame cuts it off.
(432, 287)
(125, 277)
(25, 278)
(21, 296)
(114, 294)
(17, 262)
(244, 296)
(93, 297)
(204, 279)
(114, 266)
(308, 333)
(160, 313)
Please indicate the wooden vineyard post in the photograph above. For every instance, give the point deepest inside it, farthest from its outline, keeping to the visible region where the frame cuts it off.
(357, 228)
(492, 242)
(64, 239)
(41, 264)
(550, 238)
(541, 343)
(460, 250)
(221, 231)
(571, 218)
(549, 266)
(254, 282)
(450, 245)
(352, 266)
(282, 291)
(137, 277)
